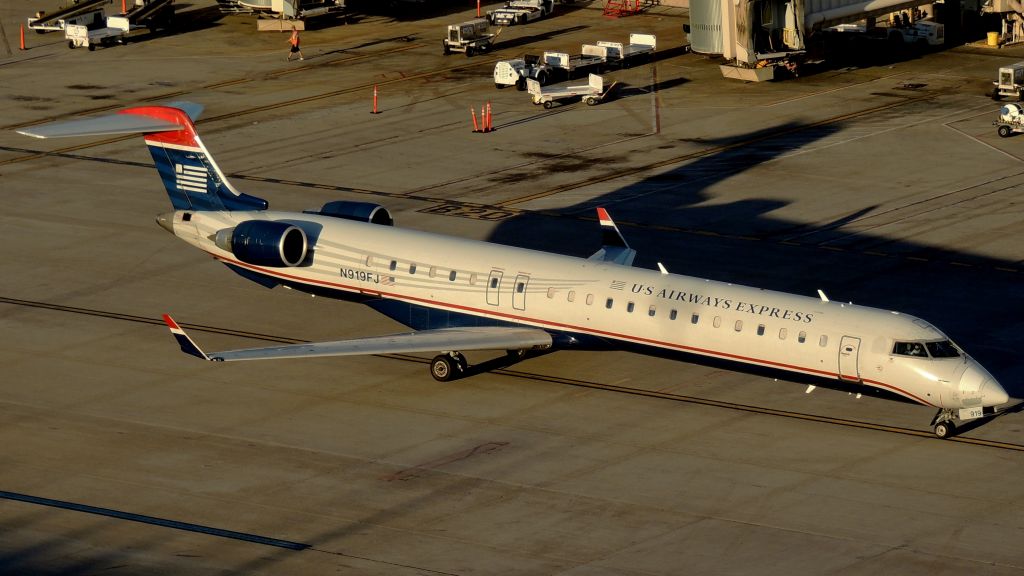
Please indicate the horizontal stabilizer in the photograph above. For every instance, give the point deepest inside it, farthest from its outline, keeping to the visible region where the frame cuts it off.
(444, 339)
(614, 248)
(112, 124)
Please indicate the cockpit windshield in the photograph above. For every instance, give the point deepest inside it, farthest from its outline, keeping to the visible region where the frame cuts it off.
(910, 349)
(940, 349)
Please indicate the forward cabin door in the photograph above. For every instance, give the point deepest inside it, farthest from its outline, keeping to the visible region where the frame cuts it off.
(494, 287)
(849, 352)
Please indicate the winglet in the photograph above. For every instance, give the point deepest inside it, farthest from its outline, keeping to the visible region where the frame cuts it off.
(186, 343)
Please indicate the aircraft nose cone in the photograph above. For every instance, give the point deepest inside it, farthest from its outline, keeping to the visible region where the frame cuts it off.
(992, 394)
(166, 221)
(976, 382)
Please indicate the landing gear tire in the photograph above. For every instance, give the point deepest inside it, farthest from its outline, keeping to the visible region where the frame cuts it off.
(446, 367)
(944, 430)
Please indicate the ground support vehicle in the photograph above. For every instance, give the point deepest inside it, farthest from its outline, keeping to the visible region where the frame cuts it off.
(640, 47)
(590, 93)
(1010, 82)
(549, 67)
(1011, 120)
(82, 36)
(516, 71)
(521, 12)
(922, 33)
(471, 37)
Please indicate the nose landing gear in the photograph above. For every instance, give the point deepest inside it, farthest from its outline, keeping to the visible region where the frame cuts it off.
(943, 424)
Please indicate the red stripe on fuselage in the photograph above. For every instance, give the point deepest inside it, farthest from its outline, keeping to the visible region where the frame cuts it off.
(568, 327)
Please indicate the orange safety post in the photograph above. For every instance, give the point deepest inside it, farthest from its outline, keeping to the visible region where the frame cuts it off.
(124, 8)
(483, 118)
(472, 113)
(477, 8)
(375, 100)
(22, 36)
(490, 125)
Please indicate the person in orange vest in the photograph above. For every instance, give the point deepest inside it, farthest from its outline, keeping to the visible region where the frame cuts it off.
(294, 41)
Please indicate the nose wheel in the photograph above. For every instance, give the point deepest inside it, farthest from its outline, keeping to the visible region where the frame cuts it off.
(445, 367)
(943, 424)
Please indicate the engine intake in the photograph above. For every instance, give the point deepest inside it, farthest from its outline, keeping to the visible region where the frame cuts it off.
(360, 211)
(265, 243)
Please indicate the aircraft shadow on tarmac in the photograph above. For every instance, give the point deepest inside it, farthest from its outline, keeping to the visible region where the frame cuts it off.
(745, 242)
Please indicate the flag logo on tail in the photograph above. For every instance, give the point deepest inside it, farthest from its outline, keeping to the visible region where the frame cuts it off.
(191, 178)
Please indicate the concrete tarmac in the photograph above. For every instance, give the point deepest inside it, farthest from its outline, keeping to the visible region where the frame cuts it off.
(883, 184)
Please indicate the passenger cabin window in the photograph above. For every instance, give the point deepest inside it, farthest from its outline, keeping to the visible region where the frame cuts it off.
(739, 326)
(494, 282)
(942, 349)
(760, 329)
(694, 318)
(823, 341)
(650, 311)
(782, 333)
(412, 268)
(551, 292)
(452, 275)
(572, 296)
(801, 337)
(672, 315)
(629, 307)
(910, 349)
(717, 322)
(369, 261)
(590, 299)
(608, 303)
(432, 272)
(520, 287)
(472, 279)
(393, 266)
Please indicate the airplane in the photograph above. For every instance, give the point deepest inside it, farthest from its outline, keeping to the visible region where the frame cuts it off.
(458, 294)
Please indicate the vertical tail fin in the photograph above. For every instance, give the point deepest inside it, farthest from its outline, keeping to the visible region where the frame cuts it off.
(191, 177)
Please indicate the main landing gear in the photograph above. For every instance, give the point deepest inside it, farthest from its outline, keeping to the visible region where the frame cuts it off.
(445, 367)
(943, 423)
(453, 365)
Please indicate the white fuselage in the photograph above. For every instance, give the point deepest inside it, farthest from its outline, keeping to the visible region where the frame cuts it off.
(587, 299)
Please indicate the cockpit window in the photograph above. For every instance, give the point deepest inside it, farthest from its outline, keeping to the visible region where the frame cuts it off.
(910, 349)
(942, 349)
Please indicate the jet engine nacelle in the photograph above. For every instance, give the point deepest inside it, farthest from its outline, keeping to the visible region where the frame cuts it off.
(361, 211)
(265, 243)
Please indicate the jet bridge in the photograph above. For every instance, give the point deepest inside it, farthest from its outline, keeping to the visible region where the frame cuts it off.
(762, 33)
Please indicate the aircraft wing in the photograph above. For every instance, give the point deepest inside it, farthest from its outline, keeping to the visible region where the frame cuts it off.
(444, 339)
(614, 248)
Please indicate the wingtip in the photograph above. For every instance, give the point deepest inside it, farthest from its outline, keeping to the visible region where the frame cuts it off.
(187, 345)
(603, 216)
